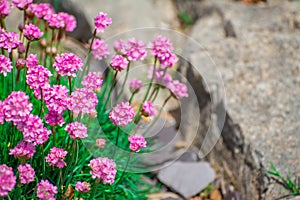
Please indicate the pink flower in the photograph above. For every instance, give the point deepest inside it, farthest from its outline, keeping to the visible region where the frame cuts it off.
(67, 64)
(161, 76)
(32, 60)
(9, 41)
(83, 101)
(56, 157)
(148, 109)
(38, 77)
(119, 63)
(2, 117)
(55, 21)
(135, 50)
(16, 107)
(70, 21)
(7, 180)
(24, 150)
(26, 173)
(4, 8)
(162, 48)
(46, 191)
(100, 49)
(104, 169)
(178, 89)
(84, 187)
(5, 65)
(34, 130)
(21, 4)
(53, 118)
(135, 85)
(161, 45)
(32, 32)
(92, 81)
(56, 98)
(77, 130)
(100, 143)
(122, 114)
(101, 22)
(137, 142)
(43, 9)
(120, 47)
(169, 59)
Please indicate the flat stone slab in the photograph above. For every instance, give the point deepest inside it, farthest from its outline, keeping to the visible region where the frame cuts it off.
(187, 178)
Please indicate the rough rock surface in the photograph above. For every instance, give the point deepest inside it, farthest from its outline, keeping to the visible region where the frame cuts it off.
(260, 70)
(187, 178)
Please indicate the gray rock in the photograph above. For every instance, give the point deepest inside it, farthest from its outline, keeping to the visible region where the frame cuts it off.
(187, 178)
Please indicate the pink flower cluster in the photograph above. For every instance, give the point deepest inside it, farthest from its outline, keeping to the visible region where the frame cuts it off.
(32, 32)
(53, 118)
(100, 143)
(9, 41)
(32, 60)
(92, 81)
(21, 4)
(46, 191)
(134, 49)
(102, 22)
(24, 150)
(16, 107)
(135, 85)
(56, 98)
(5, 65)
(67, 64)
(162, 48)
(4, 8)
(148, 109)
(137, 142)
(7, 180)
(38, 77)
(56, 157)
(84, 187)
(119, 63)
(104, 169)
(122, 114)
(77, 130)
(179, 90)
(84, 101)
(100, 49)
(69, 20)
(34, 130)
(26, 173)
(55, 21)
(41, 10)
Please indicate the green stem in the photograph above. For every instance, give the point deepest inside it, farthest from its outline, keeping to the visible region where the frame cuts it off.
(94, 189)
(124, 82)
(13, 71)
(114, 83)
(44, 164)
(124, 171)
(155, 96)
(27, 49)
(137, 116)
(70, 84)
(3, 25)
(42, 102)
(131, 98)
(117, 141)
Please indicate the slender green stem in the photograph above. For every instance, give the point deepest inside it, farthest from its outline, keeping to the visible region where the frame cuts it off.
(114, 83)
(117, 141)
(131, 98)
(27, 49)
(124, 171)
(137, 116)
(3, 25)
(124, 82)
(94, 189)
(42, 102)
(70, 83)
(155, 96)
(13, 71)
(44, 164)
(86, 67)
